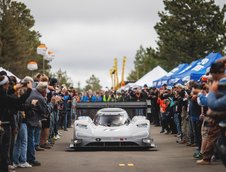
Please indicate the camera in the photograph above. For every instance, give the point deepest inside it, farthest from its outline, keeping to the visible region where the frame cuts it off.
(24, 83)
(222, 87)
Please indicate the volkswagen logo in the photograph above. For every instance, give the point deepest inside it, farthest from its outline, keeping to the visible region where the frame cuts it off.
(98, 139)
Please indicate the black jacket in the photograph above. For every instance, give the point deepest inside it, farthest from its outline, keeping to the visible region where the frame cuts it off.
(39, 111)
(9, 102)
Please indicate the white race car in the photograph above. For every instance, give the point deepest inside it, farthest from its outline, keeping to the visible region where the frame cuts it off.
(112, 127)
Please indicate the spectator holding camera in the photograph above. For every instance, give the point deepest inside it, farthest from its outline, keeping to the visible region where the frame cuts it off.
(194, 113)
(39, 112)
(20, 145)
(164, 104)
(216, 101)
(179, 96)
(8, 102)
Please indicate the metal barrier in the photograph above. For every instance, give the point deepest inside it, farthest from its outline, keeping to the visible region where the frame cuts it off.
(90, 109)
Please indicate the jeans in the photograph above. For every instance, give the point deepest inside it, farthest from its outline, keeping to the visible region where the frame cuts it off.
(31, 144)
(51, 128)
(37, 135)
(56, 121)
(191, 132)
(20, 148)
(5, 148)
(73, 114)
(165, 121)
(67, 119)
(196, 127)
(139, 112)
(177, 122)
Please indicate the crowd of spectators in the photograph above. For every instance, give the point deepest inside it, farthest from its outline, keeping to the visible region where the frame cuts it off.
(33, 111)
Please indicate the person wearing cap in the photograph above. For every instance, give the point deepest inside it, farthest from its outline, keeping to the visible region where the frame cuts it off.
(8, 102)
(145, 92)
(215, 103)
(194, 114)
(179, 96)
(39, 112)
(20, 145)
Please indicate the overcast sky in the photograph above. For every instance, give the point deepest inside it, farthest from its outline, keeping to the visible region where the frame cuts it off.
(86, 35)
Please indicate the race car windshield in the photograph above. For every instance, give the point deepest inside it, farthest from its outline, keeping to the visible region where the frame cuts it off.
(110, 120)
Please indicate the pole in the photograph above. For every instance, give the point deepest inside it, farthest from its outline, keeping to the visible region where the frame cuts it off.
(43, 65)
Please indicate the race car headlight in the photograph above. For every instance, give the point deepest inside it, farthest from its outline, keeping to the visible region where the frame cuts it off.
(144, 125)
(147, 141)
(82, 126)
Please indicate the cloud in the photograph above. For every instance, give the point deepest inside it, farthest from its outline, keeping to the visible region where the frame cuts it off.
(94, 46)
(86, 35)
(94, 10)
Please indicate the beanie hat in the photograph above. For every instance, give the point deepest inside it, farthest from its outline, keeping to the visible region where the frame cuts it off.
(3, 72)
(3, 80)
(27, 79)
(52, 81)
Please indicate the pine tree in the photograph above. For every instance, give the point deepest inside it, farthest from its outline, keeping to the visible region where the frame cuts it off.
(145, 60)
(62, 78)
(188, 30)
(18, 42)
(93, 83)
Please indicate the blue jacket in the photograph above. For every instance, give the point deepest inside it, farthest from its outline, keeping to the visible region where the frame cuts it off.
(99, 99)
(93, 98)
(84, 99)
(216, 104)
(203, 99)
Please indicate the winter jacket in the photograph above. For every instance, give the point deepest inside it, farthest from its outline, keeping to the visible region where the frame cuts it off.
(9, 102)
(216, 104)
(38, 112)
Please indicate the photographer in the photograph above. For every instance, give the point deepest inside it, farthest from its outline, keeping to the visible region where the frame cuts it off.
(138, 97)
(216, 101)
(8, 102)
(179, 95)
(20, 145)
(164, 103)
(40, 112)
(202, 101)
(153, 96)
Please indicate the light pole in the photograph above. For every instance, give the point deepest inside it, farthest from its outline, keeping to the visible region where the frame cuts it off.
(42, 50)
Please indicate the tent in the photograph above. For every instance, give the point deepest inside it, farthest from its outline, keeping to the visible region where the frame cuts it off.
(203, 66)
(164, 79)
(151, 76)
(126, 87)
(182, 74)
(196, 69)
(9, 73)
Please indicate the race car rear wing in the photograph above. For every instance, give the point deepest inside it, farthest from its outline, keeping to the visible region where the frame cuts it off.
(99, 105)
(90, 109)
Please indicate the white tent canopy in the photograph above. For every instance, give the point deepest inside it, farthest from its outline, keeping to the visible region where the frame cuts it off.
(9, 73)
(151, 76)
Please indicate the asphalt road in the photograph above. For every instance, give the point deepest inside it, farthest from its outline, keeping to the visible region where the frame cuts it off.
(170, 157)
